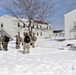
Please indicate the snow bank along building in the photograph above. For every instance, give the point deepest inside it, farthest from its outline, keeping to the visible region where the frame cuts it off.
(9, 26)
(70, 25)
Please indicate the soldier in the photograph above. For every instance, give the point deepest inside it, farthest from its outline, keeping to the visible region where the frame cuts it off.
(33, 40)
(0, 42)
(5, 40)
(18, 41)
(26, 44)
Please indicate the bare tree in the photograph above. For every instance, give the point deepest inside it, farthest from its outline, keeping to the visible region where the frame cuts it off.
(31, 9)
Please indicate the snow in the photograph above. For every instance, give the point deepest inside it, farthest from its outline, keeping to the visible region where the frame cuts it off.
(49, 57)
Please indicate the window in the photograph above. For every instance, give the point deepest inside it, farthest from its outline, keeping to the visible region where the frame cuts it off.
(23, 25)
(18, 24)
(37, 34)
(41, 33)
(47, 27)
(60, 34)
(33, 33)
(1, 24)
(74, 23)
(33, 26)
(56, 34)
(37, 26)
(40, 26)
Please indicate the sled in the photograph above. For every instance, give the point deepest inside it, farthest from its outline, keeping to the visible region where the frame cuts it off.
(68, 47)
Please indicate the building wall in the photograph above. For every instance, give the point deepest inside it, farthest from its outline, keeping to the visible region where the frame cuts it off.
(10, 26)
(61, 34)
(43, 34)
(69, 19)
(43, 31)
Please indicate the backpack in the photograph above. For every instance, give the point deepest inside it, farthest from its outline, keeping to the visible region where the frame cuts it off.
(6, 39)
(34, 38)
(20, 39)
(27, 39)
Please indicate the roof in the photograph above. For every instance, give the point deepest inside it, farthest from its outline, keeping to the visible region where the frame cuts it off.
(70, 12)
(57, 31)
(40, 22)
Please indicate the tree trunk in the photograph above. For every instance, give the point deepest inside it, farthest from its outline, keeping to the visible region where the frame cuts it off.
(30, 28)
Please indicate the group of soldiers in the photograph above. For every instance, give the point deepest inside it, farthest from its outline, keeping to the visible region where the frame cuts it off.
(4, 40)
(26, 45)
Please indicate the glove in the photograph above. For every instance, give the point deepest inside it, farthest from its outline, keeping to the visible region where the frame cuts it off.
(31, 44)
(16, 42)
(22, 43)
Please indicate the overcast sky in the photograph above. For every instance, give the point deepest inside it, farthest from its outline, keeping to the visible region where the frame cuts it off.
(61, 8)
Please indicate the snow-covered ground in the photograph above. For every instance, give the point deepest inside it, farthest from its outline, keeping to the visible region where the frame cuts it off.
(49, 57)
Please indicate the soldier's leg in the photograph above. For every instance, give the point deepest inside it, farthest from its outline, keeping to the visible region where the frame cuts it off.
(24, 48)
(5, 46)
(0, 46)
(28, 47)
(28, 50)
(17, 46)
(33, 44)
